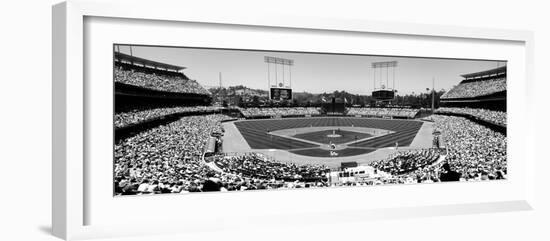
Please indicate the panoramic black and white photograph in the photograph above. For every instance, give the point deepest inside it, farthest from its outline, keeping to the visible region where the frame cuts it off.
(192, 119)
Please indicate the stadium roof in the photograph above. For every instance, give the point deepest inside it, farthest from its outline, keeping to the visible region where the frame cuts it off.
(137, 60)
(485, 72)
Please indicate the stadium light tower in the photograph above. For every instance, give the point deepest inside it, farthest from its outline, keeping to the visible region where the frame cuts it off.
(433, 94)
(384, 92)
(280, 90)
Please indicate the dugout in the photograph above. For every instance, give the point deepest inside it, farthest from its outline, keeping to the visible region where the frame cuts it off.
(345, 165)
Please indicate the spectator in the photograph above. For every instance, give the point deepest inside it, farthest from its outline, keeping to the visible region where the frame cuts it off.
(497, 117)
(157, 81)
(212, 184)
(281, 111)
(449, 175)
(384, 112)
(476, 88)
(136, 116)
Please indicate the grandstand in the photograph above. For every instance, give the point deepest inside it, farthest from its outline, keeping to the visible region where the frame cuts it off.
(400, 113)
(279, 112)
(484, 89)
(490, 116)
(408, 161)
(149, 93)
(481, 97)
(144, 84)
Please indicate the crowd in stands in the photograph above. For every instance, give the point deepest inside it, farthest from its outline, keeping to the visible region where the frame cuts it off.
(136, 116)
(497, 117)
(473, 153)
(384, 112)
(166, 158)
(255, 165)
(407, 161)
(280, 111)
(476, 89)
(473, 150)
(156, 81)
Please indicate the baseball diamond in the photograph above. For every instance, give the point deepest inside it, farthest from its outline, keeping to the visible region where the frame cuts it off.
(258, 134)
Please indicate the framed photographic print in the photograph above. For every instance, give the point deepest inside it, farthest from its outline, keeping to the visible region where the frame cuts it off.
(216, 121)
(174, 134)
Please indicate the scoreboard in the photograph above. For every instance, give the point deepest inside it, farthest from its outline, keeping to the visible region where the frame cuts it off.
(281, 93)
(383, 94)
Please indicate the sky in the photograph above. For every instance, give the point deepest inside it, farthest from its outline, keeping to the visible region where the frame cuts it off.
(313, 72)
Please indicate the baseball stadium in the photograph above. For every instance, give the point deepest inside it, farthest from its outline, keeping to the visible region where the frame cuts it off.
(282, 123)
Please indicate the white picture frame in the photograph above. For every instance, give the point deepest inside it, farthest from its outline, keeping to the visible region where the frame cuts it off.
(70, 191)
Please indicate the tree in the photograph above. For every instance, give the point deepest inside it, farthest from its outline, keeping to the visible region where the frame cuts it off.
(255, 101)
(239, 101)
